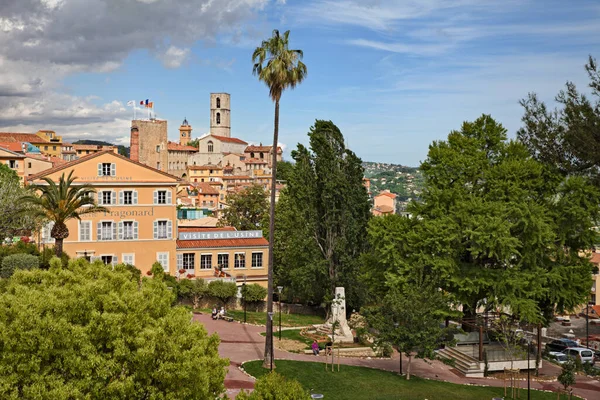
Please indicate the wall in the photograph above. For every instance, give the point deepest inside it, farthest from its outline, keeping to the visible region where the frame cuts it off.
(224, 127)
(151, 133)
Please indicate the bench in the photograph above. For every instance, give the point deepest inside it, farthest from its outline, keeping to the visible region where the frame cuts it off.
(227, 318)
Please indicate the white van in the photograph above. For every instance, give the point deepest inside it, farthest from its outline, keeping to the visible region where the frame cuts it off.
(584, 354)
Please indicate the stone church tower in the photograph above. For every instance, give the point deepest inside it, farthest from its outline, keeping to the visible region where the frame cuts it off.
(220, 122)
(185, 133)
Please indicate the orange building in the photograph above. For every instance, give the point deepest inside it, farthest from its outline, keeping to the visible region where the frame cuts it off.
(384, 203)
(139, 227)
(211, 253)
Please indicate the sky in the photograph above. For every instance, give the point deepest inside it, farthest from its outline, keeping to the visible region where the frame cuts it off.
(392, 75)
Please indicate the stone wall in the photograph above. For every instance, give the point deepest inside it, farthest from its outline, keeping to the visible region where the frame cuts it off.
(151, 148)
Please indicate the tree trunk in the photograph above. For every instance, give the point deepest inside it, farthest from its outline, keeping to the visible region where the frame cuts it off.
(470, 315)
(268, 359)
(408, 367)
(58, 247)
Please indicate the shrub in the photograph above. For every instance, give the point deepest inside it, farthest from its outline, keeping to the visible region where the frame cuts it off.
(193, 290)
(254, 293)
(275, 386)
(222, 290)
(47, 254)
(567, 375)
(17, 261)
(157, 270)
(17, 248)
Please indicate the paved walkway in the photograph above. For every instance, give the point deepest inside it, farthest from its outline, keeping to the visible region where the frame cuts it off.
(241, 343)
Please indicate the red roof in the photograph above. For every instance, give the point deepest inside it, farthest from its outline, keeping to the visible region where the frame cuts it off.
(179, 147)
(205, 228)
(21, 137)
(595, 258)
(255, 161)
(235, 177)
(261, 148)
(203, 167)
(12, 146)
(211, 243)
(229, 139)
(388, 194)
(204, 188)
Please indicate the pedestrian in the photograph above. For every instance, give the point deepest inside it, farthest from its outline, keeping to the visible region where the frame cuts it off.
(315, 348)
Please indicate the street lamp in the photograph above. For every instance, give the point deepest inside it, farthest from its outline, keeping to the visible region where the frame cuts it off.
(279, 289)
(528, 369)
(244, 296)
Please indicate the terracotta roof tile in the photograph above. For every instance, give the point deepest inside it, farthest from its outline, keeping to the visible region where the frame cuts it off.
(254, 161)
(212, 243)
(21, 137)
(388, 194)
(229, 139)
(94, 147)
(12, 146)
(595, 258)
(204, 188)
(203, 167)
(179, 147)
(236, 177)
(261, 148)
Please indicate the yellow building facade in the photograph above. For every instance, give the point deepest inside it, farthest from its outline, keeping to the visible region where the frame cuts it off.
(139, 226)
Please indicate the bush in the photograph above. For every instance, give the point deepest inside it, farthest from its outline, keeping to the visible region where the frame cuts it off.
(47, 254)
(567, 375)
(222, 290)
(193, 290)
(275, 386)
(17, 248)
(254, 293)
(17, 261)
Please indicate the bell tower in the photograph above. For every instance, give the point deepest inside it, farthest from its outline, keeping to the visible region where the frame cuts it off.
(220, 122)
(185, 133)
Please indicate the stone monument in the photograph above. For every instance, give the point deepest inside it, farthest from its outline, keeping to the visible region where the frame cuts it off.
(337, 319)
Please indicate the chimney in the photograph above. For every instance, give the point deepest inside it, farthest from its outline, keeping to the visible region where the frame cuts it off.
(134, 144)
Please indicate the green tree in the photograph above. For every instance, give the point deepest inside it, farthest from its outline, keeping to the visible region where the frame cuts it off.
(567, 138)
(194, 143)
(246, 210)
(410, 316)
(193, 290)
(62, 202)
(284, 169)
(280, 68)
(18, 261)
(87, 331)
(324, 214)
(567, 374)
(495, 224)
(222, 290)
(276, 387)
(16, 217)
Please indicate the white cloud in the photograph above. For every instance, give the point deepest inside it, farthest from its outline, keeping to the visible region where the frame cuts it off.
(174, 57)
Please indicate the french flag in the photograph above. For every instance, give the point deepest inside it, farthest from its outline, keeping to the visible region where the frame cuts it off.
(142, 103)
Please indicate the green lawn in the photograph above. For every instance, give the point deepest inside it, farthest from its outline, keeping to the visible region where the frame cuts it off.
(260, 318)
(366, 383)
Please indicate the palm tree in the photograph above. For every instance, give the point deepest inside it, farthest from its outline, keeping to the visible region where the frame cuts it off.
(279, 68)
(60, 203)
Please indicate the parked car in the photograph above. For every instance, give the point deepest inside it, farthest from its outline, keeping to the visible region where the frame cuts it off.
(560, 344)
(584, 354)
(558, 356)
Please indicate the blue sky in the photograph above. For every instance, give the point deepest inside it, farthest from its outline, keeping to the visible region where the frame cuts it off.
(393, 75)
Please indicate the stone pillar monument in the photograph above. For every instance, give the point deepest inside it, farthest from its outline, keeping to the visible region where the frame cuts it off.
(338, 317)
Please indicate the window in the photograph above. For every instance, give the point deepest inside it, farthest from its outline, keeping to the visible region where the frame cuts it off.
(188, 261)
(163, 259)
(128, 197)
(28, 165)
(162, 197)
(163, 229)
(218, 102)
(107, 169)
(158, 148)
(85, 231)
(107, 259)
(206, 261)
(257, 260)
(262, 155)
(223, 261)
(107, 230)
(12, 163)
(129, 258)
(239, 260)
(158, 165)
(218, 118)
(210, 147)
(53, 147)
(128, 230)
(107, 197)
(45, 147)
(87, 152)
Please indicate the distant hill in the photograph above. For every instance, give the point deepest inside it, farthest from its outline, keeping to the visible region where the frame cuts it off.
(123, 150)
(406, 182)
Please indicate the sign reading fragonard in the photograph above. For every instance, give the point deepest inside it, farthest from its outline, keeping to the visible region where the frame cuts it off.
(219, 235)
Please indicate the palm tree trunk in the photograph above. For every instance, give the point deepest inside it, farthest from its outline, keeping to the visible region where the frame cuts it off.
(58, 247)
(268, 360)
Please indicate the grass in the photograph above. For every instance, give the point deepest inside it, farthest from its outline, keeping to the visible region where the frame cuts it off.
(354, 383)
(287, 320)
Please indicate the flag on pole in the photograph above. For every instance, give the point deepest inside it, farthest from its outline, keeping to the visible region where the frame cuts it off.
(144, 103)
(131, 102)
(150, 105)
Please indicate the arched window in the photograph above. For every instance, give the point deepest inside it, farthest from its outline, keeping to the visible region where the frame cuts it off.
(218, 102)
(210, 145)
(218, 118)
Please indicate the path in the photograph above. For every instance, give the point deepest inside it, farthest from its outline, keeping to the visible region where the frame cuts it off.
(241, 343)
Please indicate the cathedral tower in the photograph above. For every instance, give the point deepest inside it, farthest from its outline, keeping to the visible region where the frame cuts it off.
(220, 122)
(185, 133)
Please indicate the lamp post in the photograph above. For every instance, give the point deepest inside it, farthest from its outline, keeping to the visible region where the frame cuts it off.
(528, 370)
(279, 289)
(244, 296)
(270, 316)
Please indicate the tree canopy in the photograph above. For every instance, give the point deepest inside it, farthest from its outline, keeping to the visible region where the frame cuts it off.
(495, 225)
(87, 331)
(567, 138)
(322, 219)
(246, 210)
(15, 216)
